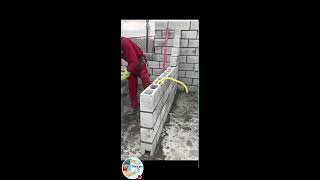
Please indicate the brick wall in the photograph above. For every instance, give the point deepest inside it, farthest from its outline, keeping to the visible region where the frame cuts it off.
(141, 42)
(182, 63)
(183, 48)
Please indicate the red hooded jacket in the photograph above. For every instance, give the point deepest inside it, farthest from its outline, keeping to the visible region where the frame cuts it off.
(131, 54)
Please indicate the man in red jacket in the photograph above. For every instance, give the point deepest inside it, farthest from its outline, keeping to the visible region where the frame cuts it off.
(137, 67)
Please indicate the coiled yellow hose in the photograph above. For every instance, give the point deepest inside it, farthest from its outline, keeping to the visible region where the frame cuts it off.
(169, 78)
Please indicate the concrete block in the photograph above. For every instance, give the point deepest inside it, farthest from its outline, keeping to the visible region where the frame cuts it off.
(187, 51)
(163, 109)
(170, 99)
(147, 100)
(160, 100)
(192, 59)
(159, 25)
(172, 96)
(149, 147)
(166, 112)
(182, 59)
(184, 43)
(198, 35)
(159, 91)
(168, 50)
(152, 147)
(193, 43)
(196, 67)
(195, 82)
(192, 74)
(182, 74)
(157, 96)
(149, 56)
(152, 78)
(176, 70)
(177, 35)
(197, 51)
(177, 59)
(157, 72)
(159, 57)
(173, 61)
(158, 50)
(189, 34)
(176, 42)
(173, 72)
(153, 64)
(148, 119)
(147, 135)
(184, 66)
(157, 34)
(168, 72)
(179, 25)
(170, 34)
(187, 81)
(194, 25)
(145, 147)
(175, 51)
(162, 42)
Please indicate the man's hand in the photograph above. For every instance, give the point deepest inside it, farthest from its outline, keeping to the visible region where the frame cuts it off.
(125, 75)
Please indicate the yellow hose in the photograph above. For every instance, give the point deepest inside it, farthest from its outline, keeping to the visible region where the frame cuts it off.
(169, 78)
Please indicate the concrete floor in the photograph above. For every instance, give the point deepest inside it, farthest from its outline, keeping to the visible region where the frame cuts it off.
(179, 139)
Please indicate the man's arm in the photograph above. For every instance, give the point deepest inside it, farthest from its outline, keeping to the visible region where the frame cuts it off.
(131, 58)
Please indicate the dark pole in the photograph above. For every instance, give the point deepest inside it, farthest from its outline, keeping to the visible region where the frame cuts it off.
(147, 25)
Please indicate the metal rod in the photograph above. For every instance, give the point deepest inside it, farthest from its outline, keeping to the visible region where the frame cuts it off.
(147, 26)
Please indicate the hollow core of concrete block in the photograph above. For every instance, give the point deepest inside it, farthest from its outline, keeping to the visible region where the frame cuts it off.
(153, 86)
(149, 91)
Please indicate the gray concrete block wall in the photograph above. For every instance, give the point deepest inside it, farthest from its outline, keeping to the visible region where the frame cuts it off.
(155, 104)
(183, 57)
(183, 43)
(189, 34)
(172, 49)
(189, 56)
(141, 42)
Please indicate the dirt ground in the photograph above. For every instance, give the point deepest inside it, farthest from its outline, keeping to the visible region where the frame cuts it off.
(179, 139)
